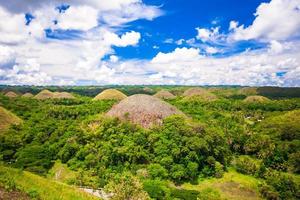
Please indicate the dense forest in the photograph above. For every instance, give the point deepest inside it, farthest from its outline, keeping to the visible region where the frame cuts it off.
(226, 148)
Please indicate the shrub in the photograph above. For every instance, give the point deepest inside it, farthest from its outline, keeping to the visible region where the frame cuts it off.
(157, 171)
(247, 165)
(284, 184)
(126, 186)
(157, 189)
(219, 171)
(184, 194)
(294, 162)
(268, 192)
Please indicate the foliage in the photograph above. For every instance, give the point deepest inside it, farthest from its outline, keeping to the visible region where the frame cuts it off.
(247, 165)
(157, 189)
(263, 137)
(126, 187)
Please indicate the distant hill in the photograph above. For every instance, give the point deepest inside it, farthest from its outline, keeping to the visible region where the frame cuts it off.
(277, 92)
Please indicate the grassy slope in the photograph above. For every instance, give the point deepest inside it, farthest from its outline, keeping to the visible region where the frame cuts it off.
(60, 172)
(232, 186)
(45, 188)
(7, 118)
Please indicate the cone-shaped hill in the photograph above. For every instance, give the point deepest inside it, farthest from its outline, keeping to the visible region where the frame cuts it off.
(164, 94)
(248, 91)
(144, 110)
(63, 95)
(256, 99)
(11, 94)
(46, 94)
(110, 94)
(27, 95)
(7, 118)
(199, 93)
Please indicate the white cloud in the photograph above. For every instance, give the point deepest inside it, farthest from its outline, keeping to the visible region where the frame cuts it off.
(208, 34)
(7, 56)
(113, 58)
(211, 50)
(276, 20)
(249, 68)
(178, 55)
(78, 18)
(127, 39)
(11, 27)
(33, 57)
(233, 25)
(169, 41)
(180, 41)
(30, 66)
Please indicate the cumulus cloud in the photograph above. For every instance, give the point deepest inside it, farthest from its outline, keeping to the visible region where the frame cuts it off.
(128, 39)
(178, 55)
(249, 68)
(27, 54)
(208, 34)
(79, 18)
(276, 20)
(7, 56)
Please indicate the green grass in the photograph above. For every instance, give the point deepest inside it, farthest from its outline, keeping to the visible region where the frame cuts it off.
(39, 187)
(60, 172)
(232, 185)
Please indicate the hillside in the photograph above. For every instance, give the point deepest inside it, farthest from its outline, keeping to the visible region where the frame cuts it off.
(7, 118)
(38, 187)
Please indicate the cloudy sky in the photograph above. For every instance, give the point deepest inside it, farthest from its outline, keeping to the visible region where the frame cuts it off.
(186, 42)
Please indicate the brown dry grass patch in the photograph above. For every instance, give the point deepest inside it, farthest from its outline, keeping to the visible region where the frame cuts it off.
(112, 94)
(164, 94)
(144, 110)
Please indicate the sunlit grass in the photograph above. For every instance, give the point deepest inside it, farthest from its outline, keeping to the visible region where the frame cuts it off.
(232, 185)
(44, 188)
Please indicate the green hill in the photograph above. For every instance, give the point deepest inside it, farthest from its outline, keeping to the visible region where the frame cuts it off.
(38, 187)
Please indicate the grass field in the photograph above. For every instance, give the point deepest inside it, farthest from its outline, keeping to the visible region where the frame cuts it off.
(38, 187)
(232, 185)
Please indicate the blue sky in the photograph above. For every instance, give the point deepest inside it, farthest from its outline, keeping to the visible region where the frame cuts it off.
(216, 42)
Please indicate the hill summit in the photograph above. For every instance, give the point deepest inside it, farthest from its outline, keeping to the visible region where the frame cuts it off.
(110, 94)
(144, 110)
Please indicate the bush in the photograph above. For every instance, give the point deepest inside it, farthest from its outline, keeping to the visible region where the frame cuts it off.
(284, 184)
(294, 162)
(247, 165)
(269, 193)
(209, 194)
(126, 186)
(157, 171)
(184, 194)
(219, 171)
(157, 189)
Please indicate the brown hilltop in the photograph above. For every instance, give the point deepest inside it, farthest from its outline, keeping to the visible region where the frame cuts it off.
(11, 94)
(256, 99)
(46, 94)
(27, 95)
(63, 95)
(199, 93)
(248, 91)
(144, 110)
(164, 94)
(110, 94)
(7, 118)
